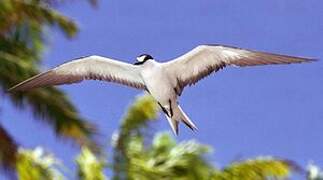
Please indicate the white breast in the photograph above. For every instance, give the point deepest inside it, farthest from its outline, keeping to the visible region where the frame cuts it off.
(158, 82)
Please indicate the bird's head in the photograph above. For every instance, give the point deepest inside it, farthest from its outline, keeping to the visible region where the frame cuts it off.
(141, 59)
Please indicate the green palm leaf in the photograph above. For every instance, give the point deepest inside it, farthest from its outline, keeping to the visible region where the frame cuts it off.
(256, 169)
(36, 164)
(140, 112)
(164, 159)
(50, 104)
(23, 26)
(89, 166)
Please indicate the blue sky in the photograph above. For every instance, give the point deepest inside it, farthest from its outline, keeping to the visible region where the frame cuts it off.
(241, 113)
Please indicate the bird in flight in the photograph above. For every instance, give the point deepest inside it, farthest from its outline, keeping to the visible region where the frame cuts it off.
(164, 81)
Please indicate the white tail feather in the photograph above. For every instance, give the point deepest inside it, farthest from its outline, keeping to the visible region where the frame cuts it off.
(173, 124)
(186, 120)
(179, 115)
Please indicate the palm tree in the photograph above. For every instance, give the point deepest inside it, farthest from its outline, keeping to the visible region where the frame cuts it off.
(22, 38)
(89, 166)
(259, 168)
(37, 164)
(137, 156)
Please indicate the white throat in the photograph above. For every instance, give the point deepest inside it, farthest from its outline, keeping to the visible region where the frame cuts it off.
(150, 64)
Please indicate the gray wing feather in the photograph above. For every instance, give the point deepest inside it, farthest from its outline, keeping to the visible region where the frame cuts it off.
(87, 68)
(205, 59)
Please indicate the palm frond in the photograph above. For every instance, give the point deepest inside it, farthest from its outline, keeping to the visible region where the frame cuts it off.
(35, 14)
(166, 159)
(36, 164)
(260, 168)
(143, 110)
(48, 104)
(89, 166)
(21, 43)
(139, 113)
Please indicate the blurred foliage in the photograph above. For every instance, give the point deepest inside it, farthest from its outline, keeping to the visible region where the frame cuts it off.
(261, 168)
(137, 117)
(23, 28)
(138, 155)
(36, 164)
(314, 172)
(165, 159)
(89, 166)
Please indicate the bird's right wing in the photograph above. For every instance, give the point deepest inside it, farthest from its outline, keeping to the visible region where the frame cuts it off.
(91, 67)
(205, 59)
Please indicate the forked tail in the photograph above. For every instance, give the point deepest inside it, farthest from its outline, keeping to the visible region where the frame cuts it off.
(179, 116)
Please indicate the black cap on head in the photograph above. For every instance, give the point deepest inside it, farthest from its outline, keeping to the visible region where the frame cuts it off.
(143, 58)
(147, 56)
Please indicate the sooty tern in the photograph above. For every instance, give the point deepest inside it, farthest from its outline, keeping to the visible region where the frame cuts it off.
(164, 81)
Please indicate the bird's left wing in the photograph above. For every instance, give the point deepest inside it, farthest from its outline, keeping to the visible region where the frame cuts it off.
(205, 59)
(91, 67)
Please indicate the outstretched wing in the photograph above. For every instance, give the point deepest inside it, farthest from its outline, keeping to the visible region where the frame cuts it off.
(205, 59)
(91, 67)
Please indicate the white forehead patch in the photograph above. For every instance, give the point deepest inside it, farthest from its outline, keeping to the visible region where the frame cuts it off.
(141, 58)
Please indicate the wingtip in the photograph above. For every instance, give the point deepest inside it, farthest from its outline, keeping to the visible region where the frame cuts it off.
(307, 60)
(14, 88)
(312, 59)
(10, 90)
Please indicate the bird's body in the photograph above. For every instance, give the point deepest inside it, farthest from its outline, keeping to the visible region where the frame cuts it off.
(164, 81)
(157, 82)
(162, 87)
